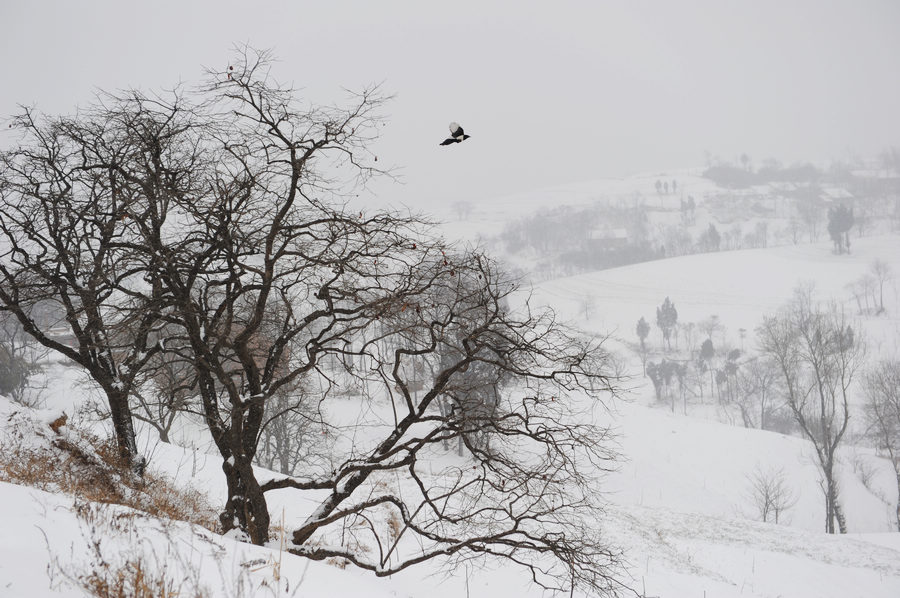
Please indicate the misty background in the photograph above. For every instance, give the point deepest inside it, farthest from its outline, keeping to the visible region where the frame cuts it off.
(551, 94)
(660, 305)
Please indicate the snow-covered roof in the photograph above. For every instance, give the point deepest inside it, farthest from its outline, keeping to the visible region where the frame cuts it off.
(836, 193)
(608, 233)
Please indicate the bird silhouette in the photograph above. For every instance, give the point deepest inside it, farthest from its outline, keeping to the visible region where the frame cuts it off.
(456, 135)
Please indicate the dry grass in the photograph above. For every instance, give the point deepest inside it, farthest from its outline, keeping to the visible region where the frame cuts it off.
(90, 469)
(134, 570)
(130, 553)
(133, 579)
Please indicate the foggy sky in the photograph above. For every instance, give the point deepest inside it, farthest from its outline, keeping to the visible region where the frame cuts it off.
(550, 92)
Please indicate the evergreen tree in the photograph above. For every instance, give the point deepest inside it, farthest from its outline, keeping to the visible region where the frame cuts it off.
(666, 319)
(840, 221)
(711, 240)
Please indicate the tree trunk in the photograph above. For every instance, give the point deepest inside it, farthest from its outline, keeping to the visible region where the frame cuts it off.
(832, 506)
(123, 426)
(839, 514)
(897, 475)
(246, 507)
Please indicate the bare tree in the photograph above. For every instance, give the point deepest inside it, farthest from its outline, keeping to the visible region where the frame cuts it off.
(643, 331)
(757, 392)
(462, 209)
(818, 354)
(265, 280)
(811, 210)
(67, 242)
(295, 439)
(882, 388)
(19, 357)
(166, 390)
(588, 306)
(689, 334)
(881, 272)
(711, 326)
(770, 493)
(860, 289)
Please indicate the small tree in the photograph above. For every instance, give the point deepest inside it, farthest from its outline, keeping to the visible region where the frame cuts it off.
(726, 377)
(462, 209)
(588, 306)
(881, 271)
(756, 392)
(707, 355)
(711, 326)
(666, 320)
(711, 239)
(643, 330)
(810, 208)
(295, 438)
(770, 493)
(168, 390)
(882, 388)
(840, 221)
(18, 360)
(656, 377)
(681, 373)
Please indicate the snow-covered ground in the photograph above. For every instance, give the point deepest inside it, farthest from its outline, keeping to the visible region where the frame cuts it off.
(679, 503)
(737, 286)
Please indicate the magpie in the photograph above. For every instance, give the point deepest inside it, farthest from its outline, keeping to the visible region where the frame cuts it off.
(456, 135)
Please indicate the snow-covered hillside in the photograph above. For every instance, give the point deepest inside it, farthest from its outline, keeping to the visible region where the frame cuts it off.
(679, 503)
(737, 286)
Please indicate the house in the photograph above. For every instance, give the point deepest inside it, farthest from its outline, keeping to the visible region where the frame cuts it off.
(607, 239)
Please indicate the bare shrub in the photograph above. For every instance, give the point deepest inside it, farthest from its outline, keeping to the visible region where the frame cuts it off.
(770, 493)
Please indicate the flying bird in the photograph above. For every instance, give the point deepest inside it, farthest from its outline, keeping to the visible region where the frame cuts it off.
(456, 135)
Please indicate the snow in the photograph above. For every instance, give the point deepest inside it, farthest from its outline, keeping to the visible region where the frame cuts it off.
(738, 286)
(678, 503)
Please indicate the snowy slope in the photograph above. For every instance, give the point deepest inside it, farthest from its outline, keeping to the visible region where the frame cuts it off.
(678, 503)
(702, 467)
(669, 554)
(738, 286)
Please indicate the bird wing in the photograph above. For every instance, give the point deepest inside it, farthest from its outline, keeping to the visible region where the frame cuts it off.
(456, 130)
(449, 141)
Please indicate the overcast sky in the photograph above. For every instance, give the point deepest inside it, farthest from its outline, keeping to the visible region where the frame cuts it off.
(551, 92)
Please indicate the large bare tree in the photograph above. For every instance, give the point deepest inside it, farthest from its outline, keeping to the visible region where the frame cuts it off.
(818, 353)
(247, 266)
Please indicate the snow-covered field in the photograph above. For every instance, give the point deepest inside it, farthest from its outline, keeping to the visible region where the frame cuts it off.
(679, 506)
(737, 286)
